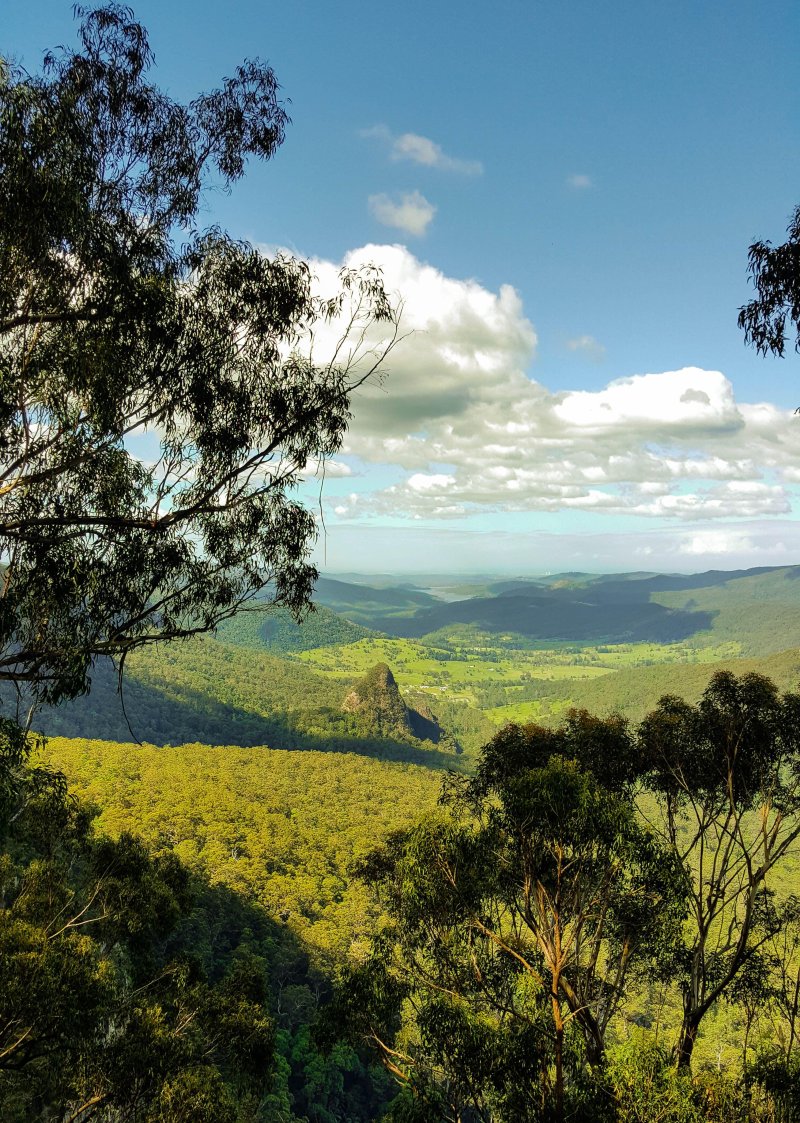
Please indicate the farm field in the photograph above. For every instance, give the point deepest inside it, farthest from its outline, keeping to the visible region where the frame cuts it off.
(468, 673)
(416, 665)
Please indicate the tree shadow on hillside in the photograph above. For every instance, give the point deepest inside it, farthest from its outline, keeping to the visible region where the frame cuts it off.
(224, 928)
(586, 617)
(185, 716)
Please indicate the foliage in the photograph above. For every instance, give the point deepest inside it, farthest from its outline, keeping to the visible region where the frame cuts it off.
(270, 837)
(280, 828)
(726, 778)
(647, 1086)
(775, 272)
(516, 917)
(120, 319)
(200, 689)
(275, 630)
(96, 1021)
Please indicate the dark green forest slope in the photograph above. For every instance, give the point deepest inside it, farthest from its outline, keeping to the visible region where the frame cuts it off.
(228, 694)
(273, 629)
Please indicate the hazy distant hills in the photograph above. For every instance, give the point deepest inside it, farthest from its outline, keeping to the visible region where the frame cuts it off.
(759, 608)
(376, 608)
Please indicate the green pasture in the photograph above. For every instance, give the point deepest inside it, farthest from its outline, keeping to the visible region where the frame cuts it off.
(616, 656)
(416, 665)
(523, 712)
(508, 685)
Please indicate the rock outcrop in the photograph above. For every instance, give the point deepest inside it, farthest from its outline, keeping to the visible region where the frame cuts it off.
(377, 698)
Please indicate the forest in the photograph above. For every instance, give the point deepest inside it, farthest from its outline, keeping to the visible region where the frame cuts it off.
(282, 847)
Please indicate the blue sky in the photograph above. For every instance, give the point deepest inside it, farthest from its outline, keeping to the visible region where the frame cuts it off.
(570, 189)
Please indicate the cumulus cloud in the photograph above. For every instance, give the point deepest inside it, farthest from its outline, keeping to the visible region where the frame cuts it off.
(579, 181)
(587, 345)
(412, 213)
(466, 429)
(422, 150)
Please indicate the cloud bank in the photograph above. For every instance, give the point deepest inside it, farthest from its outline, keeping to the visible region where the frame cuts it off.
(467, 430)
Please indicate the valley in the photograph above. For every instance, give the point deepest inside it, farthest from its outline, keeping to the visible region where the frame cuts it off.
(274, 756)
(266, 680)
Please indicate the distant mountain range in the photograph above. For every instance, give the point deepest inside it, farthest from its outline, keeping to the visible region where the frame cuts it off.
(759, 607)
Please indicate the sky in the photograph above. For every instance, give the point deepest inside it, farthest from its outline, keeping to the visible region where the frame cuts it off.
(561, 196)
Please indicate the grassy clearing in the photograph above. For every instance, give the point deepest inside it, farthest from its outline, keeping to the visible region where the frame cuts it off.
(417, 665)
(524, 712)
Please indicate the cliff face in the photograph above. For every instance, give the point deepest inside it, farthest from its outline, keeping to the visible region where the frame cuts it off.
(377, 697)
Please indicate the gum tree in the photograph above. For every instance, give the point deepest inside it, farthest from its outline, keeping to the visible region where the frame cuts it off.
(725, 775)
(158, 396)
(774, 314)
(517, 916)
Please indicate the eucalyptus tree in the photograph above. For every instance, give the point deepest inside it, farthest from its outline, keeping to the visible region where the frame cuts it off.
(725, 775)
(517, 916)
(159, 399)
(774, 314)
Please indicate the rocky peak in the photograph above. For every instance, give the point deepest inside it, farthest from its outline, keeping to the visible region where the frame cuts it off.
(377, 696)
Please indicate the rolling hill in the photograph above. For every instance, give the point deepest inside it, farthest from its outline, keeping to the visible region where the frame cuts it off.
(757, 608)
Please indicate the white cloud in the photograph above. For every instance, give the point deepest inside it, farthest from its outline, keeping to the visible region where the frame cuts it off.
(715, 542)
(333, 469)
(579, 181)
(655, 401)
(422, 150)
(436, 482)
(467, 430)
(412, 214)
(588, 346)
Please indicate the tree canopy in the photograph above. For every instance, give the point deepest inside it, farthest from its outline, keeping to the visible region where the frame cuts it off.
(725, 775)
(158, 395)
(574, 867)
(516, 918)
(97, 1019)
(774, 314)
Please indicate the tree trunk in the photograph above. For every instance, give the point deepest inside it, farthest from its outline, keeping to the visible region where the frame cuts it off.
(559, 1025)
(688, 1037)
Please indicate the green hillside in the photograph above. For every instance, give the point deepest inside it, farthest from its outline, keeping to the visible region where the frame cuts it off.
(276, 631)
(227, 694)
(371, 606)
(266, 680)
(636, 691)
(759, 609)
(761, 612)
